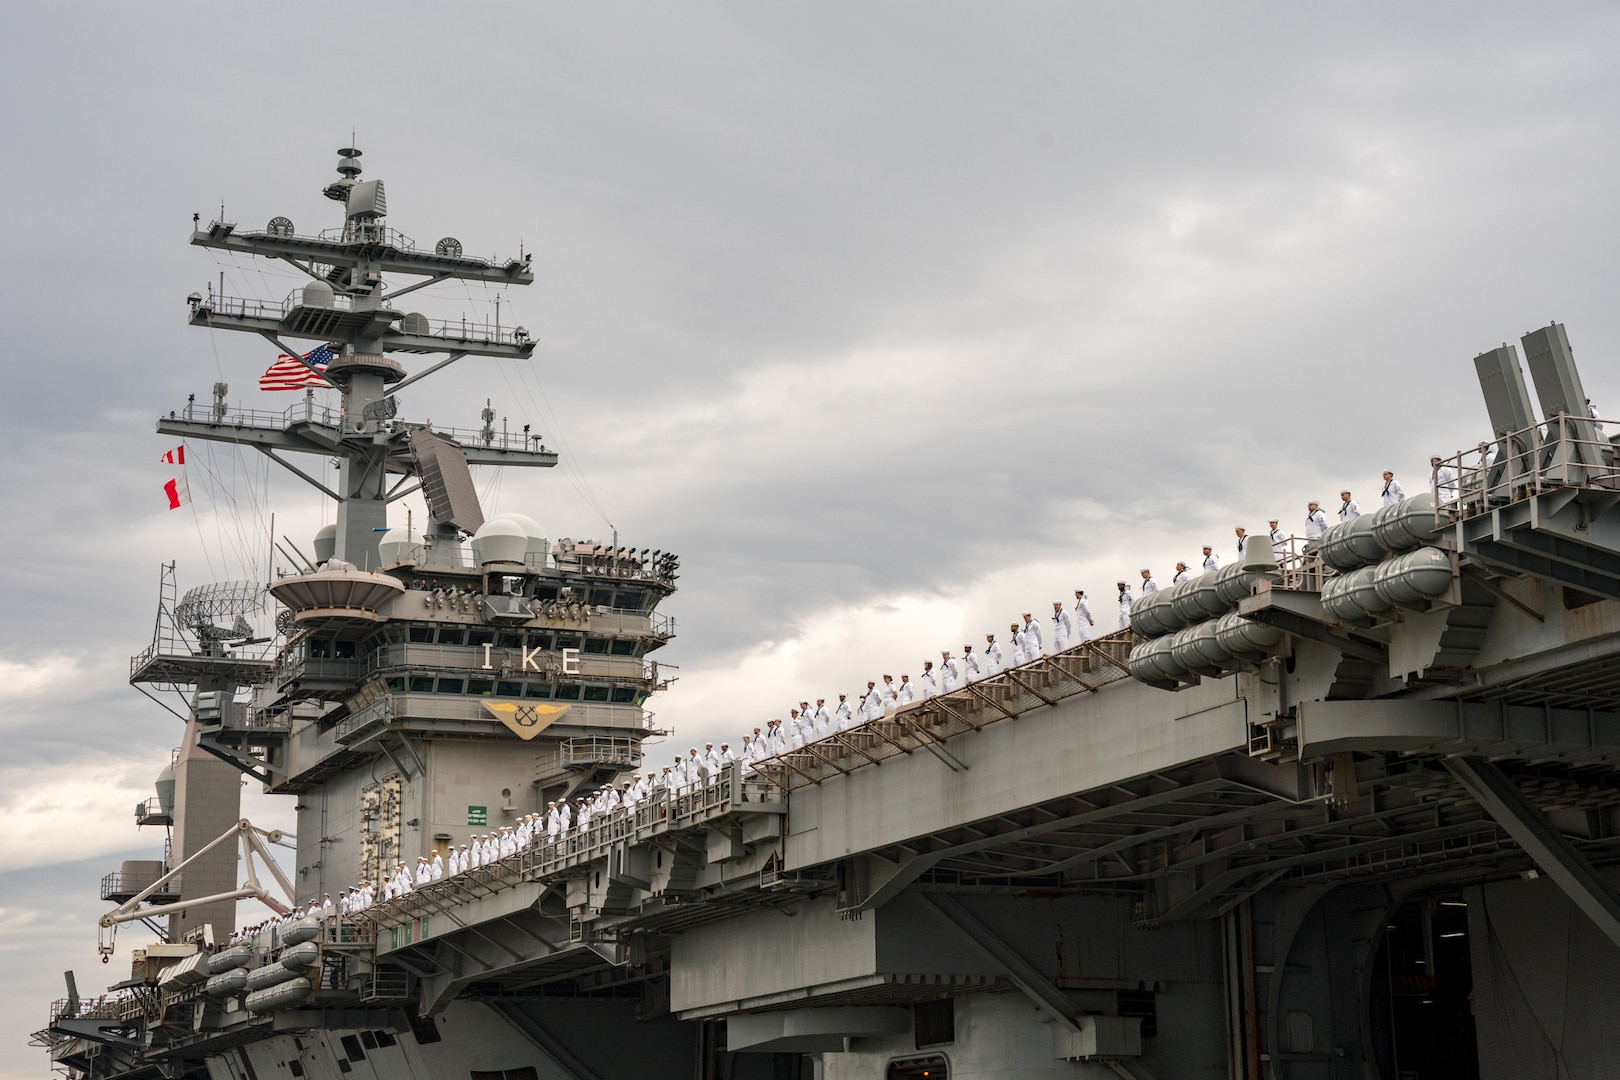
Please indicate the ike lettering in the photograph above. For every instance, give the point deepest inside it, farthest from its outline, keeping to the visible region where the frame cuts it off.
(529, 661)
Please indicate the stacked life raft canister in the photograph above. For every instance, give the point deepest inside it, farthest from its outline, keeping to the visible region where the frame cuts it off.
(1381, 561)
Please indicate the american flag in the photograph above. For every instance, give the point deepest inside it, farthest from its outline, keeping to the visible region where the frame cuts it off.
(295, 373)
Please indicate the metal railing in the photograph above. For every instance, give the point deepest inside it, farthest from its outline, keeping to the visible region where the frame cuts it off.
(600, 750)
(375, 234)
(727, 792)
(119, 885)
(153, 812)
(1299, 565)
(1565, 452)
(449, 331)
(927, 725)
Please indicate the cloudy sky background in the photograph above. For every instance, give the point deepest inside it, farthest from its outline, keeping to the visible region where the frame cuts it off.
(893, 320)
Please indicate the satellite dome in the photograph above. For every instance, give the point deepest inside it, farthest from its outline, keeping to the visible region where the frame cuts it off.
(499, 540)
(535, 551)
(325, 543)
(318, 294)
(397, 546)
(165, 789)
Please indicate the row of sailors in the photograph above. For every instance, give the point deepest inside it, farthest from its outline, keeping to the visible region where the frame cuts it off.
(1316, 523)
(807, 724)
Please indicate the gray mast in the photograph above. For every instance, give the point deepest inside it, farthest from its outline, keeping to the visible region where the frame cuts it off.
(346, 305)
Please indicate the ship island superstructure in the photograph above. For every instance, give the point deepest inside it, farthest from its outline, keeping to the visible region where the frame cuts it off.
(1344, 809)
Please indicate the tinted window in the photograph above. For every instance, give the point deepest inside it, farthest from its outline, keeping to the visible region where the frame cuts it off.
(568, 693)
(422, 635)
(509, 689)
(422, 684)
(451, 635)
(624, 694)
(596, 693)
(450, 686)
(481, 687)
(537, 690)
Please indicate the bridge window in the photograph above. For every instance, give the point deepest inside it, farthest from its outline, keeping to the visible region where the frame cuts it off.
(624, 695)
(568, 693)
(343, 650)
(478, 638)
(421, 635)
(509, 640)
(396, 683)
(596, 693)
(934, 1067)
(451, 686)
(539, 640)
(422, 684)
(596, 646)
(481, 687)
(509, 689)
(451, 635)
(624, 648)
(537, 690)
(320, 649)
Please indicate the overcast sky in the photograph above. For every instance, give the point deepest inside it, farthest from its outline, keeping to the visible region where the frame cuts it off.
(893, 320)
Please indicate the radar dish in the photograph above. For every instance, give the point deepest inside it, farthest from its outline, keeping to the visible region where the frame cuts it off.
(219, 611)
(284, 623)
(449, 247)
(280, 226)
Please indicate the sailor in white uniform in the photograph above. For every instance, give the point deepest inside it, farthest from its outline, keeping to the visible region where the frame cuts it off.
(1315, 520)
(950, 675)
(1149, 584)
(1212, 561)
(906, 694)
(1242, 541)
(927, 682)
(891, 695)
(1445, 480)
(1018, 653)
(1032, 637)
(1182, 574)
(1393, 492)
(1349, 510)
(1062, 626)
(843, 715)
(992, 655)
(971, 670)
(1125, 600)
(1083, 622)
(1278, 540)
(873, 705)
(436, 868)
(824, 720)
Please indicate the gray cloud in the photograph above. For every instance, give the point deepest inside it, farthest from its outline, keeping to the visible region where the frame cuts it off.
(936, 310)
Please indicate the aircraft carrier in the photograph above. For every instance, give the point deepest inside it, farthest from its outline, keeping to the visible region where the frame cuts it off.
(1346, 808)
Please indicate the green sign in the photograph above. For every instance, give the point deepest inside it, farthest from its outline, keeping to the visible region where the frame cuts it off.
(478, 815)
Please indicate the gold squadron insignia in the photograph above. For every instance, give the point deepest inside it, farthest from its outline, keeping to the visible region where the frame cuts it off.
(525, 720)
